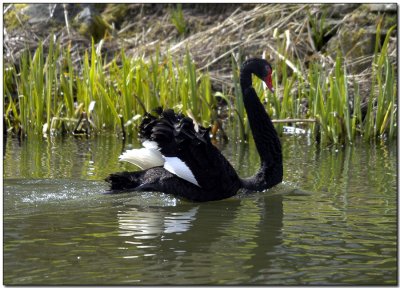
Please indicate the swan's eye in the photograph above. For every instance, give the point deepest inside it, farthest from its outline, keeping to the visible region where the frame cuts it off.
(269, 70)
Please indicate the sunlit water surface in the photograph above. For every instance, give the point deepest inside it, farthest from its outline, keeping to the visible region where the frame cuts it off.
(332, 221)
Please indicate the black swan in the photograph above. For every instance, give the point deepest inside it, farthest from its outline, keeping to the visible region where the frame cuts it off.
(178, 157)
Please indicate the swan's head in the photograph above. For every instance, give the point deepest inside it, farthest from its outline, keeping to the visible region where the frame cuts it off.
(261, 68)
(264, 72)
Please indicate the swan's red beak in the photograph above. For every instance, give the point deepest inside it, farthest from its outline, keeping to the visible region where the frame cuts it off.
(268, 81)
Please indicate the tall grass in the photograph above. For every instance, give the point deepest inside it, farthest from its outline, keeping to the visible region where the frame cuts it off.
(336, 108)
(50, 94)
(240, 116)
(381, 105)
(318, 28)
(178, 20)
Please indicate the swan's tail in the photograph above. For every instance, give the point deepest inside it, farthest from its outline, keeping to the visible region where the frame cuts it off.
(123, 181)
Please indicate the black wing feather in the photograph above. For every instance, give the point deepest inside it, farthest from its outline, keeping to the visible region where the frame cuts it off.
(176, 136)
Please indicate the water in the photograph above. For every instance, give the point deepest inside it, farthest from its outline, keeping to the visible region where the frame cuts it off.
(332, 221)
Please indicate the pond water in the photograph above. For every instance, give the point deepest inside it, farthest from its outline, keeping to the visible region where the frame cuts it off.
(332, 221)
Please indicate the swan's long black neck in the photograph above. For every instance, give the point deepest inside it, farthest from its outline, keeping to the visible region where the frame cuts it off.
(265, 138)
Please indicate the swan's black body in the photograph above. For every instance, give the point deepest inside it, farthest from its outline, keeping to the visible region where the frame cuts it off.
(216, 178)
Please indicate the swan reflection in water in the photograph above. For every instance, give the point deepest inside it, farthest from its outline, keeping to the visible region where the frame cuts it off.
(152, 223)
(241, 231)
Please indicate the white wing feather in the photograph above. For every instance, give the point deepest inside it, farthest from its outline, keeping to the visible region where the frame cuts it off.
(144, 158)
(178, 167)
(150, 145)
(150, 156)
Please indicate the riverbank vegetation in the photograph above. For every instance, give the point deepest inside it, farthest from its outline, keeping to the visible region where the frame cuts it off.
(52, 91)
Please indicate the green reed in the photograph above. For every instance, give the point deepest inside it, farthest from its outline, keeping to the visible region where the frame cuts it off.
(178, 19)
(51, 94)
(336, 107)
(381, 105)
(240, 118)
